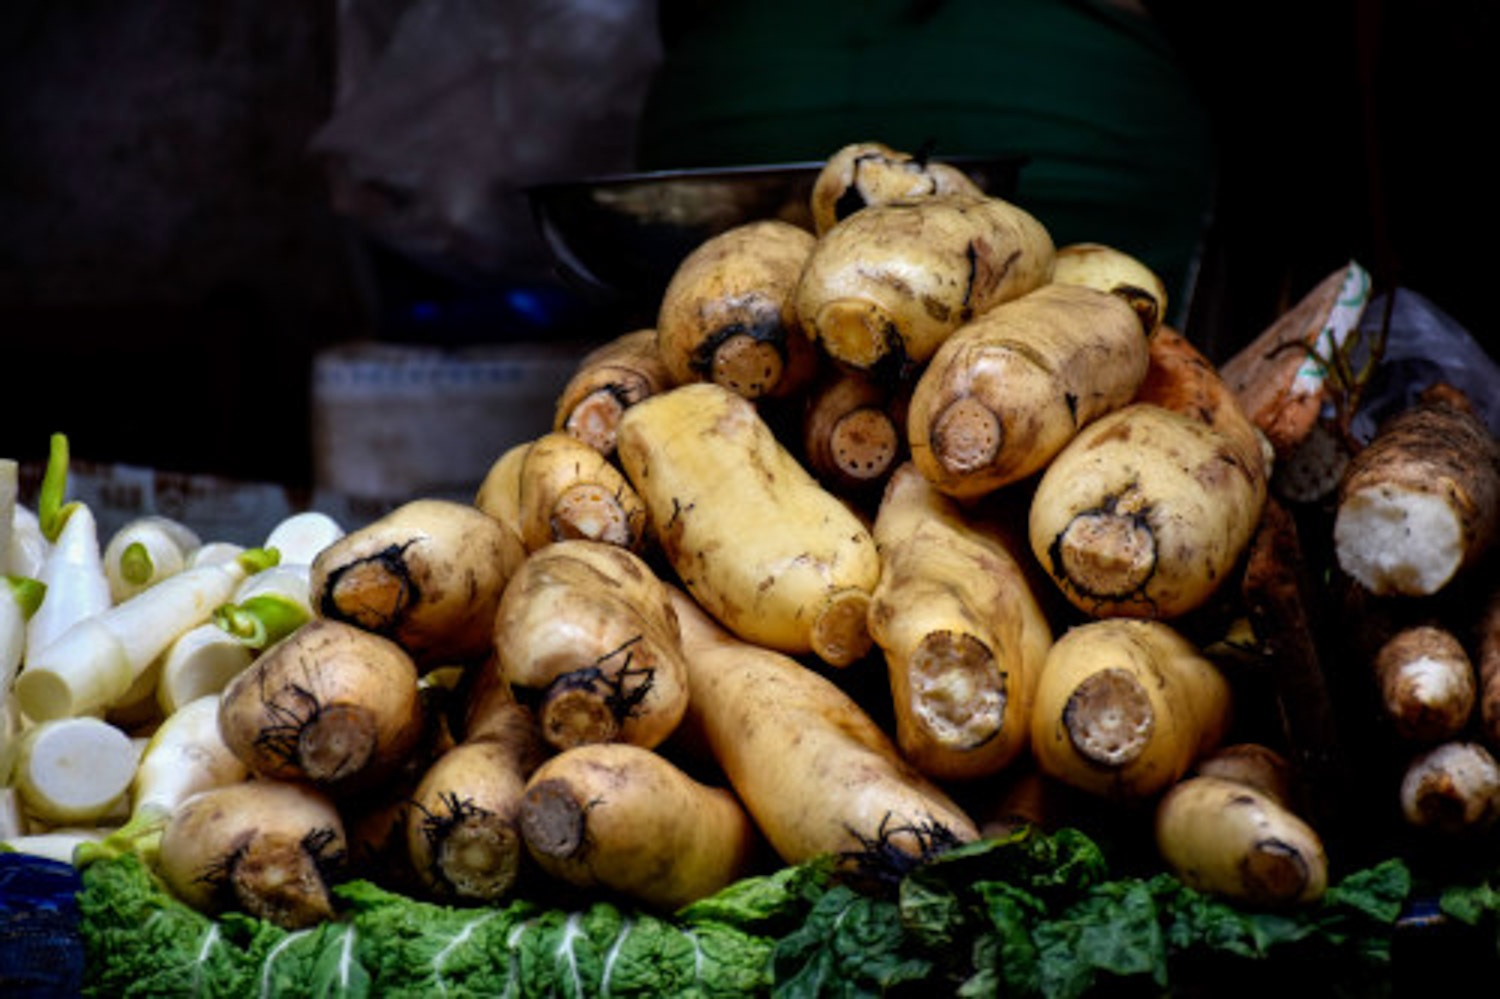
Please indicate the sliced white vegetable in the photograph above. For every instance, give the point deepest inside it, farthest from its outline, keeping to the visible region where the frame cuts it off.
(56, 844)
(73, 771)
(268, 606)
(19, 599)
(300, 537)
(10, 479)
(91, 666)
(201, 661)
(77, 587)
(12, 816)
(184, 756)
(142, 552)
(214, 553)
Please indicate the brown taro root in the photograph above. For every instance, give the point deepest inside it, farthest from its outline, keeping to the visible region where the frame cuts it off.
(1421, 501)
(854, 432)
(570, 490)
(587, 630)
(1452, 789)
(330, 704)
(1427, 684)
(616, 816)
(1487, 654)
(427, 575)
(269, 848)
(726, 316)
(1008, 390)
(609, 380)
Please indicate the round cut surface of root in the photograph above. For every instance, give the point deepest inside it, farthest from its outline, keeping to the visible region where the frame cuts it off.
(747, 366)
(1108, 555)
(1109, 718)
(479, 856)
(957, 690)
(552, 821)
(966, 436)
(1398, 541)
(575, 716)
(337, 743)
(590, 512)
(595, 418)
(864, 444)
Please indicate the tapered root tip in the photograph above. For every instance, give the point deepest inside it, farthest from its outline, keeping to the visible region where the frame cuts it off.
(840, 634)
(479, 856)
(595, 419)
(1105, 554)
(590, 512)
(576, 716)
(552, 820)
(864, 444)
(966, 436)
(1109, 718)
(1275, 872)
(747, 366)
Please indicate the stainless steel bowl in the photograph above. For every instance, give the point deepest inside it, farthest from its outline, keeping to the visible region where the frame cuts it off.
(623, 235)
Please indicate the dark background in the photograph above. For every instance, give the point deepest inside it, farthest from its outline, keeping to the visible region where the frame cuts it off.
(171, 259)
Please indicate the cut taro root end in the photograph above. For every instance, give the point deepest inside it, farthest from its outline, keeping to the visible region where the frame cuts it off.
(1109, 718)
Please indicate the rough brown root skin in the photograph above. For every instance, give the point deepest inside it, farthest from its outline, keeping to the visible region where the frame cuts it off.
(857, 333)
(1453, 789)
(1109, 718)
(1106, 554)
(337, 743)
(275, 879)
(864, 444)
(966, 436)
(575, 716)
(958, 691)
(480, 855)
(594, 419)
(588, 510)
(552, 820)
(747, 366)
(840, 634)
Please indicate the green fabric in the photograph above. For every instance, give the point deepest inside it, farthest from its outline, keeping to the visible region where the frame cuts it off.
(1118, 146)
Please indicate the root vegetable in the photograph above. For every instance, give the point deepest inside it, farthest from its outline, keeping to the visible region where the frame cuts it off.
(775, 557)
(61, 845)
(1452, 789)
(871, 173)
(625, 818)
(609, 380)
(1124, 707)
(886, 286)
(10, 476)
(265, 847)
(816, 773)
(299, 537)
(330, 704)
(1145, 513)
(568, 489)
(1229, 839)
(73, 771)
(1487, 668)
(1110, 269)
(499, 493)
(77, 585)
(1181, 378)
(1007, 391)
(963, 637)
(1253, 764)
(854, 433)
(268, 606)
(1421, 501)
(94, 663)
(427, 575)
(144, 551)
(200, 662)
(588, 629)
(19, 599)
(28, 545)
(1427, 684)
(727, 316)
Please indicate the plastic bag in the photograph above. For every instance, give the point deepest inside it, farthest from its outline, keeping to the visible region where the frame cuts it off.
(446, 109)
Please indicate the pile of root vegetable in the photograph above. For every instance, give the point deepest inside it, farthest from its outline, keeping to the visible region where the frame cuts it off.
(891, 536)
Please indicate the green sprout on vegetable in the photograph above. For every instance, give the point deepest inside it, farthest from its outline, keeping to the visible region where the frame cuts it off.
(51, 511)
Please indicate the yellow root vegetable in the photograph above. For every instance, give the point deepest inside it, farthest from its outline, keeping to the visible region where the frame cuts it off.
(1145, 513)
(817, 774)
(1251, 763)
(775, 557)
(568, 489)
(1229, 839)
(625, 818)
(427, 575)
(609, 380)
(1125, 707)
(1421, 501)
(854, 433)
(588, 630)
(963, 637)
(72, 771)
(499, 492)
(887, 285)
(1428, 686)
(265, 847)
(871, 173)
(1107, 268)
(1007, 391)
(330, 704)
(726, 316)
